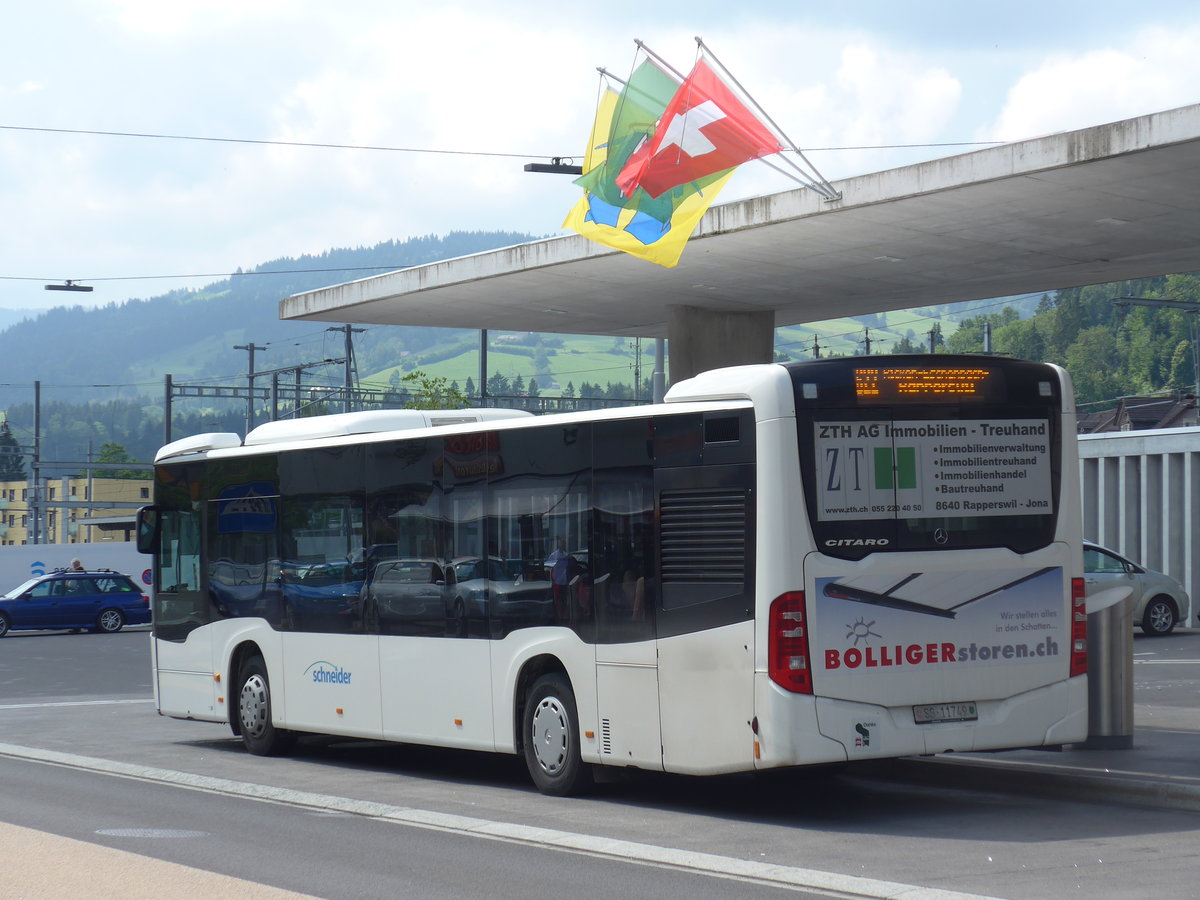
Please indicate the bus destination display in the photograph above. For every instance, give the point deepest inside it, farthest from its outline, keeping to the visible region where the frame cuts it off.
(920, 384)
(932, 468)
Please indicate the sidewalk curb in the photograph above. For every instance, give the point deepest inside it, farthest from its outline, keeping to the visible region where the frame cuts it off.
(1048, 780)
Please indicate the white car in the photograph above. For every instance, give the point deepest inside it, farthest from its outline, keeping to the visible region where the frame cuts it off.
(1159, 601)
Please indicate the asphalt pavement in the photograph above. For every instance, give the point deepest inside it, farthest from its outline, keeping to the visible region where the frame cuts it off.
(1161, 769)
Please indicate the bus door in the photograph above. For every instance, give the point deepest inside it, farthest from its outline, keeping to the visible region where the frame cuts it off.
(705, 615)
(183, 651)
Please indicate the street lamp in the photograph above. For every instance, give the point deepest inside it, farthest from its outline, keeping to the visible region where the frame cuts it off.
(68, 286)
(1168, 303)
(558, 165)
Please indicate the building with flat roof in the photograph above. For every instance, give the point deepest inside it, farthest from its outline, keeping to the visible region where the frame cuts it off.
(73, 510)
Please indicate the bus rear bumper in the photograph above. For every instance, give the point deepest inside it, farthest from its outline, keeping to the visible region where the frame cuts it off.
(799, 730)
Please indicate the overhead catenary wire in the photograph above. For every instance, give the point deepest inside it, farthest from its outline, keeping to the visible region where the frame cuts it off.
(319, 145)
(237, 274)
(499, 154)
(337, 146)
(271, 143)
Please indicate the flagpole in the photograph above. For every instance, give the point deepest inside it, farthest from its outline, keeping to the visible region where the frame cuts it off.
(607, 74)
(662, 62)
(800, 179)
(821, 185)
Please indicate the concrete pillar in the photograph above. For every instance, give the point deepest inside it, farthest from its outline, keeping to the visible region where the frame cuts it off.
(702, 339)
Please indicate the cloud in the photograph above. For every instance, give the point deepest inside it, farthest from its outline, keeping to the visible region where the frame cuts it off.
(852, 91)
(186, 16)
(1155, 69)
(471, 76)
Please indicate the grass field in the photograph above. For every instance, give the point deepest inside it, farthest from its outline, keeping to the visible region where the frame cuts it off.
(601, 360)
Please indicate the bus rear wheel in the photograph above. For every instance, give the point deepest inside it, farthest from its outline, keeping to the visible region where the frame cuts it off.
(259, 733)
(551, 744)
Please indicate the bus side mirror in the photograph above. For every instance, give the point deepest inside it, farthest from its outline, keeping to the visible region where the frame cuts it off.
(147, 529)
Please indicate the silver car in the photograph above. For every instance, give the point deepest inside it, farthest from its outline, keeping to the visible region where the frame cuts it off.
(1159, 601)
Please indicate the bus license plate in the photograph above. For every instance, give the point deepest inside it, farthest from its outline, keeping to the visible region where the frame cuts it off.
(933, 713)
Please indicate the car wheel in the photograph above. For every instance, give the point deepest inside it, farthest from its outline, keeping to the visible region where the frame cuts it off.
(4, 624)
(110, 621)
(259, 733)
(1159, 617)
(551, 728)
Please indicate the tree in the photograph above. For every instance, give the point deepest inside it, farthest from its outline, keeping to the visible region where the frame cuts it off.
(906, 345)
(1092, 362)
(112, 452)
(1022, 339)
(969, 336)
(12, 464)
(497, 385)
(432, 392)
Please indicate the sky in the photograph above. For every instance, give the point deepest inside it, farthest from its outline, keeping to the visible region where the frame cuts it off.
(462, 94)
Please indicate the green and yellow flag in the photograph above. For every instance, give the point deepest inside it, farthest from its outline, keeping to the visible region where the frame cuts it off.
(651, 228)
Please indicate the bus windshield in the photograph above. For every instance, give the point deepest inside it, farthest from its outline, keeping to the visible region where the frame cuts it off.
(949, 454)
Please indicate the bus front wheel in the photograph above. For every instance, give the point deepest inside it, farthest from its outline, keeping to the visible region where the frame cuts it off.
(259, 733)
(551, 727)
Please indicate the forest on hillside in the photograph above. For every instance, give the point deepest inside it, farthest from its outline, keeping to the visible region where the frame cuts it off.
(101, 370)
(123, 350)
(1111, 349)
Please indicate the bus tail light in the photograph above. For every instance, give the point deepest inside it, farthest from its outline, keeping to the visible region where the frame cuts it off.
(787, 654)
(1078, 628)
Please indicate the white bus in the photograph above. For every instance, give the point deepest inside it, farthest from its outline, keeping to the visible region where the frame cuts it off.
(780, 565)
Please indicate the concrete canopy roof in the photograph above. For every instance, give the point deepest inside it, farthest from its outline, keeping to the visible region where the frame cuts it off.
(1107, 203)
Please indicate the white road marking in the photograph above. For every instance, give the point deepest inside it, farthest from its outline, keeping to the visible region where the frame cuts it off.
(608, 848)
(71, 703)
(1166, 662)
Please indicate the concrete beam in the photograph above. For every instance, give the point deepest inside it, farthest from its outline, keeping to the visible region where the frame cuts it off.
(1102, 204)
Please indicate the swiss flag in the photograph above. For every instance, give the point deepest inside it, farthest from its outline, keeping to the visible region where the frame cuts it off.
(705, 129)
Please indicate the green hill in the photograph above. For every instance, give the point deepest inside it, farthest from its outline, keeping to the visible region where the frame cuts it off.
(102, 369)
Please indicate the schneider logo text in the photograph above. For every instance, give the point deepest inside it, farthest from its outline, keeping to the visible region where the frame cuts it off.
(328, 673)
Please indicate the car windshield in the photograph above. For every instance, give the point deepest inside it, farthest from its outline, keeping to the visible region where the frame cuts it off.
(21, 588)
(415, 572)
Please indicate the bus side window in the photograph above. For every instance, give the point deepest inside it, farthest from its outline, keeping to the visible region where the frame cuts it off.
(538, 518)
(321, 539)
(623, 555)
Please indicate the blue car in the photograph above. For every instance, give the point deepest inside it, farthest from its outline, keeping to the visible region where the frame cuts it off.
(100, 600)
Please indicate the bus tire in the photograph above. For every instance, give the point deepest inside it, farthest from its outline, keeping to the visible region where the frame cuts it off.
(259, 733)
(551, 738)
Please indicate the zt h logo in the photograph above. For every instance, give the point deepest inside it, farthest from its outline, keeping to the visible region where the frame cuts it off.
(864, 738)
(889, 468)
(844, 463)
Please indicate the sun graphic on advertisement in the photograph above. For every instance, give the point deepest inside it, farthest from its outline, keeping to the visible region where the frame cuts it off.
(861, 629)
